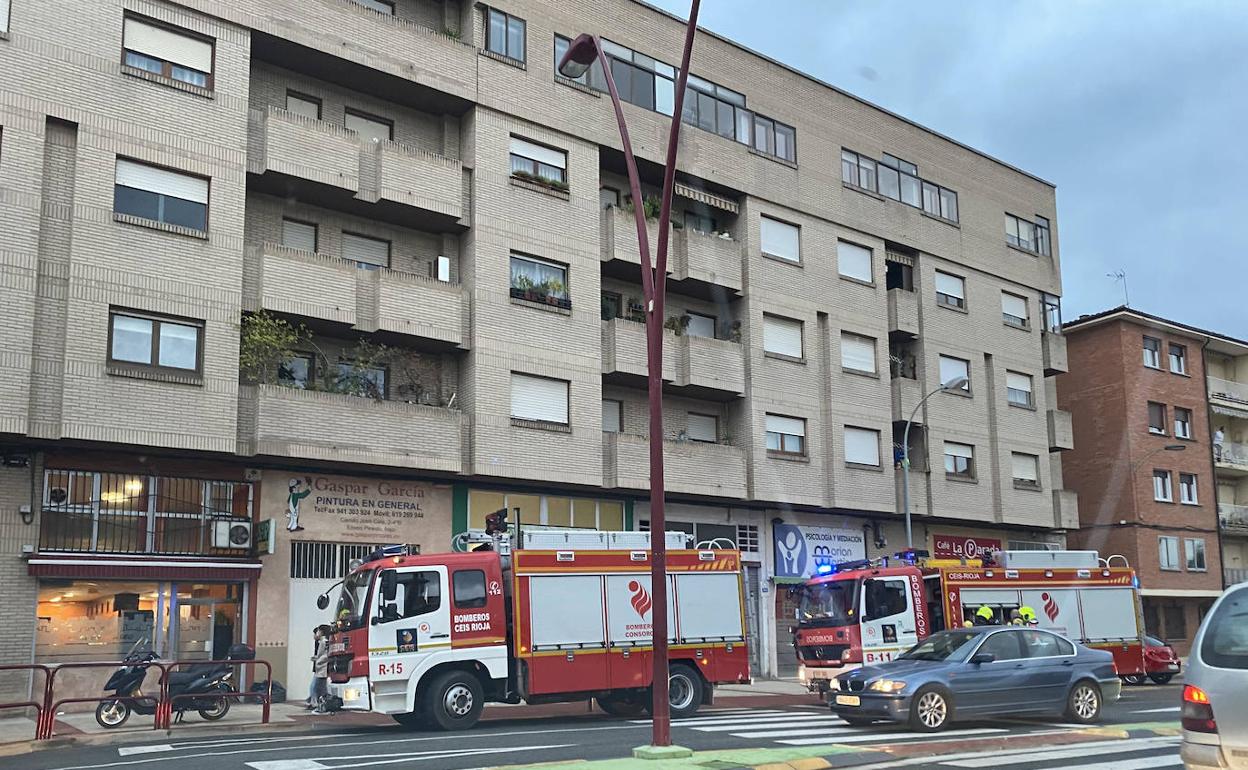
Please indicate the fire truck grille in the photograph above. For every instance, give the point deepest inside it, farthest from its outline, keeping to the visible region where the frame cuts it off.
(822, 651)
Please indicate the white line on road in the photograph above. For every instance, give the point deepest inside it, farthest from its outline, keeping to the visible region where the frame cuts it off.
(884, 737)
(287, 764)
(721, 717)
(1167, 710)
(391, 759)
(827, 723)
(803, 731)
(737, 724)
(126, 751)
(1046, 756)
(1139, 763)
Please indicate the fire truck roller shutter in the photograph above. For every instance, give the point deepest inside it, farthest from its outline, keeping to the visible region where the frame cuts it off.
(709, 607)
(1057, 609)
(1001, 600)
(1108, 613)
(566, 611)
(630, 610)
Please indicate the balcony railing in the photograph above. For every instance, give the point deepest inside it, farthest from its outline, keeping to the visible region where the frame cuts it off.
(1231, 453)
(1235, 576)
(692, 467)
(1233, 517)
(1228, 390)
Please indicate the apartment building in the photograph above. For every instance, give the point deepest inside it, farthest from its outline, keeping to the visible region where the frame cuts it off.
(288, 282)
(1157, 465)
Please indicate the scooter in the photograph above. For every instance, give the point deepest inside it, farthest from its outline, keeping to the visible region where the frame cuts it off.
(201, 679)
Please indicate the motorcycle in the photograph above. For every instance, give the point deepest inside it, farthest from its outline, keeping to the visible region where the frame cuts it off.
(200, 680)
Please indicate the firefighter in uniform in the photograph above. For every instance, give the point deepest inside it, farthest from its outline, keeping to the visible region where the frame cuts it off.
(1028, 616)
(984, 616)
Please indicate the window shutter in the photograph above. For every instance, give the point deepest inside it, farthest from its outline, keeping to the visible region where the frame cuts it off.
(862, 446)
(162, 181)
(539, 398)
(539, 153)
(1013, 305)
(611, 415)
(790, 425)
(370, 251)
(298, 235)
(951, 285)
(703, 427)
(1024, 466)
(165, 44)
(959, 450)
(4, 15)
(782, 336)
(1018, 382)
(781, 239)
(952, 368)
(853, 261)
(368, 128)
(857, 353)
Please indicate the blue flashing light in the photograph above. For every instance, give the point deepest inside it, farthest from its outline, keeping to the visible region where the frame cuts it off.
(1135, 581)
(823, 569)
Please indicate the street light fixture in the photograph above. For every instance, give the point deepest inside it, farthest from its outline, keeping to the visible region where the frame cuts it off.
(580, 56)
(957, 383)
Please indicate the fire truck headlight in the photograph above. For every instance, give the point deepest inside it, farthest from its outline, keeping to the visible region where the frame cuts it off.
(350, 694)
(886, 685)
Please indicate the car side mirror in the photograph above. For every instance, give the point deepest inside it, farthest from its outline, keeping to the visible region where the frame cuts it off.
(389, 585)
(982, 657)
(322, 602)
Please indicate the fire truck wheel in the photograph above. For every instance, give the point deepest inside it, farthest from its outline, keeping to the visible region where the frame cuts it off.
(1083, 705)
(454, 700)
(1161, 678)
(622, 705)
(684, 691)
(931, 709)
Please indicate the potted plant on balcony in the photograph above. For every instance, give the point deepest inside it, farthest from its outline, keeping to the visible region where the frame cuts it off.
(555, 293)
(677, 324)
(265, 343)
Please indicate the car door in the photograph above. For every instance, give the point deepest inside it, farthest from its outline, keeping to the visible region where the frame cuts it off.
(981, 688)
(410, 626)
(1048, 667)
(888, 620)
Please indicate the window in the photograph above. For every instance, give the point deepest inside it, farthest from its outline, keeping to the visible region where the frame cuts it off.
(612, 305)
(1156, 418)
(899, 180)
(419, 593)
(786, 434)
(538, 161)
(954, 368)
(1168, 552)
(296, 371)
(298, 235)
(700, 222)
(950, 290)
(703, 427)
(1003, 645)
(538, 280)
(608, 197)
(368, 253)
(4, 15)
(1224, 644)
(1187, 489)
(862, 446)
(594, 77)
(468, 587)
(302, 104)
(504, 34)
(1162, 491)
(380, 6)
(781, 239)
(1152, 353)
(858, 353)
(1052, 313)
(154, 341)
(701, 325)
(959, 460)
(354, 379)
(370, 127)
(167, 51)
(1178, 359)
(1018, 389)
(857, 170)
(1043, 238)
(161, 195)
(854, 261)
(1182, 422)
(1027, 235)
(1014, 310)
(782, 336)
(1026, 469)
(539, 398)
(1040, 644)
(612, 415)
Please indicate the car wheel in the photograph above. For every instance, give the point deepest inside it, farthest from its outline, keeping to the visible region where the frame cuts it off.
(930, 710)
(858, 721)
(454, 700)
(684, 691)
(1134, 679)
(1161, 678)
(1083, 705)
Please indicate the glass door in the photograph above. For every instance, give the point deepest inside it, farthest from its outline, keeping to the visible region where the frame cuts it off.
(205, 619)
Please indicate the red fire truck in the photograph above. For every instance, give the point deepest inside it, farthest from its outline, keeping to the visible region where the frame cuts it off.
(566, 616)
(868, 612)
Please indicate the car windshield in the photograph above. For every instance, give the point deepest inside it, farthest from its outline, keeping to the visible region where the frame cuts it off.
(829, 604)
(945, 645)
(1225, 642)
(350, 609)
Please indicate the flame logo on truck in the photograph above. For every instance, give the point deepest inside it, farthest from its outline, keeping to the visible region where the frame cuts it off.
(641, 598)
(1050, 606)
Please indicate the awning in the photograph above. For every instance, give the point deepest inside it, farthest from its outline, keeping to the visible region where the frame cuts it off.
(1230, 411)
(95, 566)
(702, 196)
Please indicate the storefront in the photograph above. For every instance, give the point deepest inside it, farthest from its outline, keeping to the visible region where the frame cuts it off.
(319, 524)
(534, 509)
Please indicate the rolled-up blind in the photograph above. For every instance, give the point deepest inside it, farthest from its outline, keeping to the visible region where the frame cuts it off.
(298, 235)
(162, 43)
(952, 368)
(788, 425)
(369, 251)
(780, 239)
(162, 181)
(862, 446)
(1018, 382)
(539, 398)
(857, 352)
(853, 260)
(951, 285)
(1024, 467)
(782, 336)
(539, 153)
(1014, 305)
(703, 427)
(959, 450)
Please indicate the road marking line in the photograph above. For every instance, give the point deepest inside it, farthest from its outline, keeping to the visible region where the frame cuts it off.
(1139, 763)
(830, 723)
(392, 759)
(885, 737)
(762, 714)
(800, 732)
(927, 759)
(1167, 710)
(1045, 756)
(126, 751)
(739, 723)
(288, 764)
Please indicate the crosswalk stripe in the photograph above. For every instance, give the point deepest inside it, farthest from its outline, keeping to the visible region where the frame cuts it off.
(746, 720)
(803, 731)
(885, 737)
(1167, 710)
(827, 722)
(1046, 756)
(1139, 763)
(720, 717)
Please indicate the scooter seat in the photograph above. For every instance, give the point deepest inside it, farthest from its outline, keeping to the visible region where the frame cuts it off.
(195, 672)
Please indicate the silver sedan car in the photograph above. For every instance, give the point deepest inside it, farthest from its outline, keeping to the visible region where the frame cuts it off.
(976, 673)
(1215, 693)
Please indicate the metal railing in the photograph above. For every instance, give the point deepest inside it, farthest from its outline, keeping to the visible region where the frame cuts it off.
(87, 531)
(1228, 389)
(1233, 516)
(1231, 453)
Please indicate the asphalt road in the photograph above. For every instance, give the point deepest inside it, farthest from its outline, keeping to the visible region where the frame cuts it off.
(597, 736)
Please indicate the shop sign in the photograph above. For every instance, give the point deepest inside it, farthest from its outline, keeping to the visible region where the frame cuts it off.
(801, 551)
(962, 547)
(357, 509)
(266, 540)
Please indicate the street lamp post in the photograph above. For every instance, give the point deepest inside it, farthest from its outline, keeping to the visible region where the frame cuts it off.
(580, 56)
(955, 384)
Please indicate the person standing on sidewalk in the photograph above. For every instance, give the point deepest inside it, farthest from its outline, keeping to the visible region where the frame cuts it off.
(320, 667)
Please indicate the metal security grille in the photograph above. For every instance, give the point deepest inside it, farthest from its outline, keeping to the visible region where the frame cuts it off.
(326, 561)
(747, 537)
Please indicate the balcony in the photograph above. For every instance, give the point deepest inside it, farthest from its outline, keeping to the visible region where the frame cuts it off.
(903, 313)
(699, 366)
(1233, 518)
(619, 237)
(1065, 509)
(906, 395)
(1231, 459)
(703, 258)
(277, 421)
(340, 163)
(1229, 391)
(1234, 576)
(328, 288)
(1054, 353)
(1061, 430)
(690, 467)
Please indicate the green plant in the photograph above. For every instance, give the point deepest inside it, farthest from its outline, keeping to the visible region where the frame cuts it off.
(265, 341)
(730, 331)
(677, 324)
(559, 185)
(553, 287)
(452, 32)
(651, 205)
(523, 283)
(356, 378)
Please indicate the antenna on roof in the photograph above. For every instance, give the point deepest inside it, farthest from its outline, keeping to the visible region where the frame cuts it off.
(1121, 275)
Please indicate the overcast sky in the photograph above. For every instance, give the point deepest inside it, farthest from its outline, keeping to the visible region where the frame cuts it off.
(1136, 109)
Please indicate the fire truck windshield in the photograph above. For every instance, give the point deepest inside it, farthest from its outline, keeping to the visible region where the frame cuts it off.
(829, 604)
(350, 610)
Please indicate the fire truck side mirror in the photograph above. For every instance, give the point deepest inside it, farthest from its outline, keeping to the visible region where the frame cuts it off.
(322, 602)
(389, 584)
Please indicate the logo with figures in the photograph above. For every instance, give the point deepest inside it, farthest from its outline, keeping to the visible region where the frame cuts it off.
(640, 598)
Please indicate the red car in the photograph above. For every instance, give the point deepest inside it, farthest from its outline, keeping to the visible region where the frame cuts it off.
(1160, 662)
